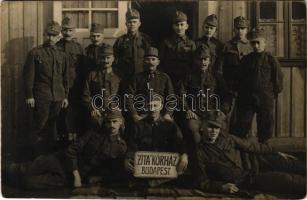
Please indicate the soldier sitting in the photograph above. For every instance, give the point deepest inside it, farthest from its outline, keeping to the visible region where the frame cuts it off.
(259, 81)
(202, 91)
(151, 80)
(96, 153)
(100, 85)
(154, 133)
(218, 166)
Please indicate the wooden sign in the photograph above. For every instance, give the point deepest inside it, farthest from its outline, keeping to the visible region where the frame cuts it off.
(149, 164)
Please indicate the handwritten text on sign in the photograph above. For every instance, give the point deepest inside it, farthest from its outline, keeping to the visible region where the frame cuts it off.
(155, 164)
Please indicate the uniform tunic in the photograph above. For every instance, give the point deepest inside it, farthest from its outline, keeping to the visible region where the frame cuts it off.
(129, 52)
(176, 55)
(91, 56)
(142, 83)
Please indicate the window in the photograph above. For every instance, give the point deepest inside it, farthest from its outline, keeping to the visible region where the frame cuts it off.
(111, 14)
(285, 25)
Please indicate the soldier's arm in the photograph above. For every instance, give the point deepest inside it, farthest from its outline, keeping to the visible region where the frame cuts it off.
(252, 146)
(169, 91)
(131, 94)
(66, 76)
(29, 75)
(162, 55)
(201, 178)
(86, 94)
(224, 93)
(277, 76)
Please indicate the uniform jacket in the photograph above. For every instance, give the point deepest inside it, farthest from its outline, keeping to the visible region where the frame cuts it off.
(46, 73)
(74, 53)
(220, 162)
(162, 135)
(129, 52)
(202, 81)
(95, 82)
(216, 51)
(259, 79)
(176, 56)
(233, 52)
(95, 151)
(141, 84)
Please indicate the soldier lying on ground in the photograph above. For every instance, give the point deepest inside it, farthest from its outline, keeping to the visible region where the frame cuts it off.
(96, 153)
(218, 165)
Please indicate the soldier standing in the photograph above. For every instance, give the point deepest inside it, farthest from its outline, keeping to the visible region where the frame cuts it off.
(129, 48)
(215, 46)
(234, 50)
(149, 80)
(74, 52)
(101, 81)
(259, 82)
(97, 37)
(46, 80)
(176, 52)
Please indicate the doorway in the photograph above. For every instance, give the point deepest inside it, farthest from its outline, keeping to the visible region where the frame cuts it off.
(156, 17)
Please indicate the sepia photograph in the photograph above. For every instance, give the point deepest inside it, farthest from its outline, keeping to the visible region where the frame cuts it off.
(153, 99)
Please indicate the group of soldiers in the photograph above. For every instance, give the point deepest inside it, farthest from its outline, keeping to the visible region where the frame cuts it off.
(61, 83)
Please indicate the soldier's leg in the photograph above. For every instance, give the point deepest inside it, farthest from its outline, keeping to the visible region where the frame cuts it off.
(45, 172)
(265, 123)
(193, 127)
(244, 117)
(275, 162)
(279, 182)
(40, 116)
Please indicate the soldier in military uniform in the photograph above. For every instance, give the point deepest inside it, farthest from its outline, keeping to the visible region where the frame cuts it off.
(46, 79)
(129, 48)
(218, 165)
(71, 118)
(196, 85)
(215, 46)
(151, 80)
(259, 82)
(154, 133)
(101, 81)
(95, 154)
(176, 52)
(234, 50)
(97, 37)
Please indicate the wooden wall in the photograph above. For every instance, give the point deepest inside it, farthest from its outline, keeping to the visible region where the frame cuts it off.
(22, 25)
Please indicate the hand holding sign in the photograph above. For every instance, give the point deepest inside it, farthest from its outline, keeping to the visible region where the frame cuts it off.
(129, 165)
(183, 164)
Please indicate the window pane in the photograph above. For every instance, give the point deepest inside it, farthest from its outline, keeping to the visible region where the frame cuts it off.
(298, 10)
(267, 10)
(107, 19)
(298, 40)
(104, 4)
(79, 18)
(271, 38)
(75, 4)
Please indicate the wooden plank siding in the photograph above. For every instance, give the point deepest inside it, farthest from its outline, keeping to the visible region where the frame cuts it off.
(22, 27)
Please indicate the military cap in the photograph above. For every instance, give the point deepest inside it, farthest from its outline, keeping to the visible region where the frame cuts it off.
(113, 114)
(202, 51)
(104, 50)
(216, 118)
(151, 51)
(255, 34)
(132, 14)
(240, 22)
(96, 28)
(53, 28)
(67, 23)
(211, 20)
(179, 17)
